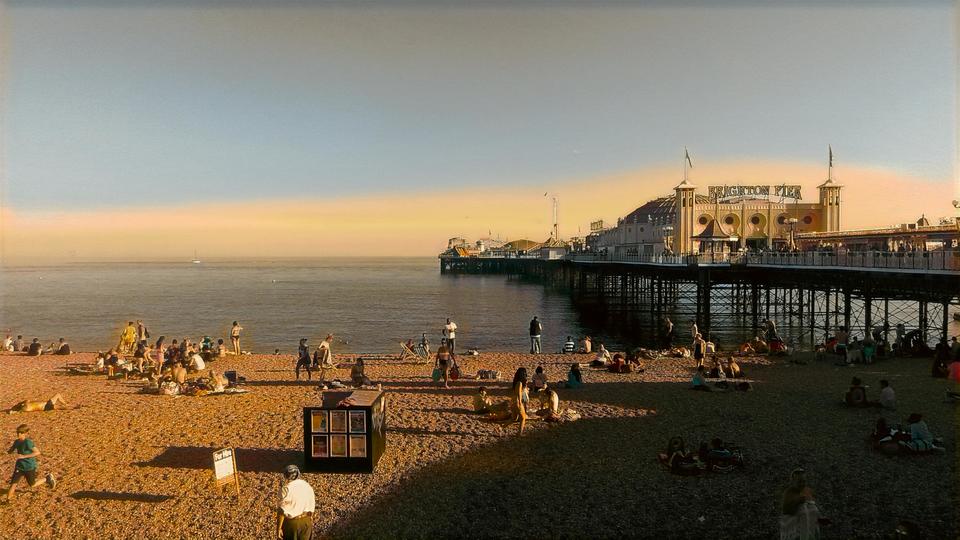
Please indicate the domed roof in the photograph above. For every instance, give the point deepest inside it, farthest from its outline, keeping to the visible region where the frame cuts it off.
(923, 222)
(661, 210)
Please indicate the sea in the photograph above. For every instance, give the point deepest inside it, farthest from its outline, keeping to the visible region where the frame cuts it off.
(370, 305)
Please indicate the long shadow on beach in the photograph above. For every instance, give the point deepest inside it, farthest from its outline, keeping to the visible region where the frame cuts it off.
(118, 496)
(268, 460)
(599, 477)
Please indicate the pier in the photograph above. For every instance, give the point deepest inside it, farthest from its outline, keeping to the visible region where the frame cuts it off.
(809, 294)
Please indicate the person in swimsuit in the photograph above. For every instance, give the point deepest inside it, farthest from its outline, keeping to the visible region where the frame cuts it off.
(235, 337)
(54, 403)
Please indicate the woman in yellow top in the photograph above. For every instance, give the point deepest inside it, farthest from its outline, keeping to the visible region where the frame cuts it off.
(127, 339)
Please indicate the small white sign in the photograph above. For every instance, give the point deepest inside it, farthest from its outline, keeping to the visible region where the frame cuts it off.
(223, 463)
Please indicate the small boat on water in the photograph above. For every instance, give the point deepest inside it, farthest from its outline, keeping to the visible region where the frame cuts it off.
(195, 259)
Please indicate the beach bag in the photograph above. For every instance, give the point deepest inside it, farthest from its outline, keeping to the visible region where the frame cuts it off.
(437, 373)
(455, 372)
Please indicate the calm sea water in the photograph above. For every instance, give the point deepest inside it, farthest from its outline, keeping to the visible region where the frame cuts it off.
(369, 304)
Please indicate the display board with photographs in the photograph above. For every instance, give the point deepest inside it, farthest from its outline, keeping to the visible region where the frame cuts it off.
(358, 446)
(318, 421)
(358, 421)
(338, 446)
(338, 421)
(319, 446)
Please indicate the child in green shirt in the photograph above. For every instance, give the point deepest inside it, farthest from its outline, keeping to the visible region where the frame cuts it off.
(26, 464)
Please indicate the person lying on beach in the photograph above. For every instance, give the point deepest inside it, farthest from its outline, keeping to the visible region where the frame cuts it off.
(35, 348)
(718, 457)
(55, 403)
(759, 346)
(574, 376)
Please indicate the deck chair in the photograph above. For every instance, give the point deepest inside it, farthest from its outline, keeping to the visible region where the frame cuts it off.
(417, 353)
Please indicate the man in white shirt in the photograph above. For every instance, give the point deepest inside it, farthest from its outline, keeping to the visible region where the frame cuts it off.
(297, 504)
(888, 399)
(197, 363)
(450, 331)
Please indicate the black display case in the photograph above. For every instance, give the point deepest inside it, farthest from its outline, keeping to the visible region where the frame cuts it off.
(347, 433)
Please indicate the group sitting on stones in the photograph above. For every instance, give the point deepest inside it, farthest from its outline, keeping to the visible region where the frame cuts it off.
(715, 457)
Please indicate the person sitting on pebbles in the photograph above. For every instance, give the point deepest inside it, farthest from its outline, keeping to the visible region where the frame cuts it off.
(574, 376)
(549, 404)
(699, 382)
(602, 358)
(358, 375)
(921, 440)
(55, 403)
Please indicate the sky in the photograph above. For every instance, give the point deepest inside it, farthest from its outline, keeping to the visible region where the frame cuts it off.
(387, 127)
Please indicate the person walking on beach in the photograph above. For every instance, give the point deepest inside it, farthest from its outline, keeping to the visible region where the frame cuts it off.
(297, 504)
(667, 333)
(303, 359)
(127, 339)
(536, 329)
(450, 332)
(443, 363)
(26, 464)
(235, 337)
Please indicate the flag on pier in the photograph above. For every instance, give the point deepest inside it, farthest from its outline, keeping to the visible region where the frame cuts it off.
(830, 148)
(686, 154)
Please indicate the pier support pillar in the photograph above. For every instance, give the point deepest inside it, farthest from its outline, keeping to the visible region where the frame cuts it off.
(945, 326)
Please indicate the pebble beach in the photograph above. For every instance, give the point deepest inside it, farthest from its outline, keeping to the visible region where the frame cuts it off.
(138, 465)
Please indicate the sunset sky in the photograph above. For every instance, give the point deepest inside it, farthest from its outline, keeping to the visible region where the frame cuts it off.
(242, 128)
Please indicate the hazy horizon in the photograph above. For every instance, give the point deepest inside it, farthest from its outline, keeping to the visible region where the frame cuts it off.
(135, 130)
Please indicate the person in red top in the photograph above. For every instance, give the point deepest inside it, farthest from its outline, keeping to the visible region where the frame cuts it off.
(953, 371)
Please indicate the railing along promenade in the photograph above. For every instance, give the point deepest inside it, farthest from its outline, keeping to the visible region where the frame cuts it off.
(919, 261)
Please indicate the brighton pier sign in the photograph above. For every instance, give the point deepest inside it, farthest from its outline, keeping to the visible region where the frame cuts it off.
(726, 193)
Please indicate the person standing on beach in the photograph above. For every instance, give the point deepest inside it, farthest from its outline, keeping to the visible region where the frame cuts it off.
(297, 504)
(235, 337)
(127, 339)
(142, 332)
(450, 332)
(26, 464)
(667, 333)
(536, 329)
(303, 359)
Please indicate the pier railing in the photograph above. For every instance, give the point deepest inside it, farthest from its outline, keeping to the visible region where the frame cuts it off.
(920, 260)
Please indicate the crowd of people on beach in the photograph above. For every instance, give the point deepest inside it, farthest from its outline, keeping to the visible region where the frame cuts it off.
(168, 368)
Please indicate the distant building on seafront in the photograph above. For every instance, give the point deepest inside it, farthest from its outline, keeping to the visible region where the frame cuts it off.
(728, 218)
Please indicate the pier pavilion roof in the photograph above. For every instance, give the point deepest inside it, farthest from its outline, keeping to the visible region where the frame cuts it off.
(661, 209)
(520, 245)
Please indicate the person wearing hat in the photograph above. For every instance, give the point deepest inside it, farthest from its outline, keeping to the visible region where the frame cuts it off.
(297, 503)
